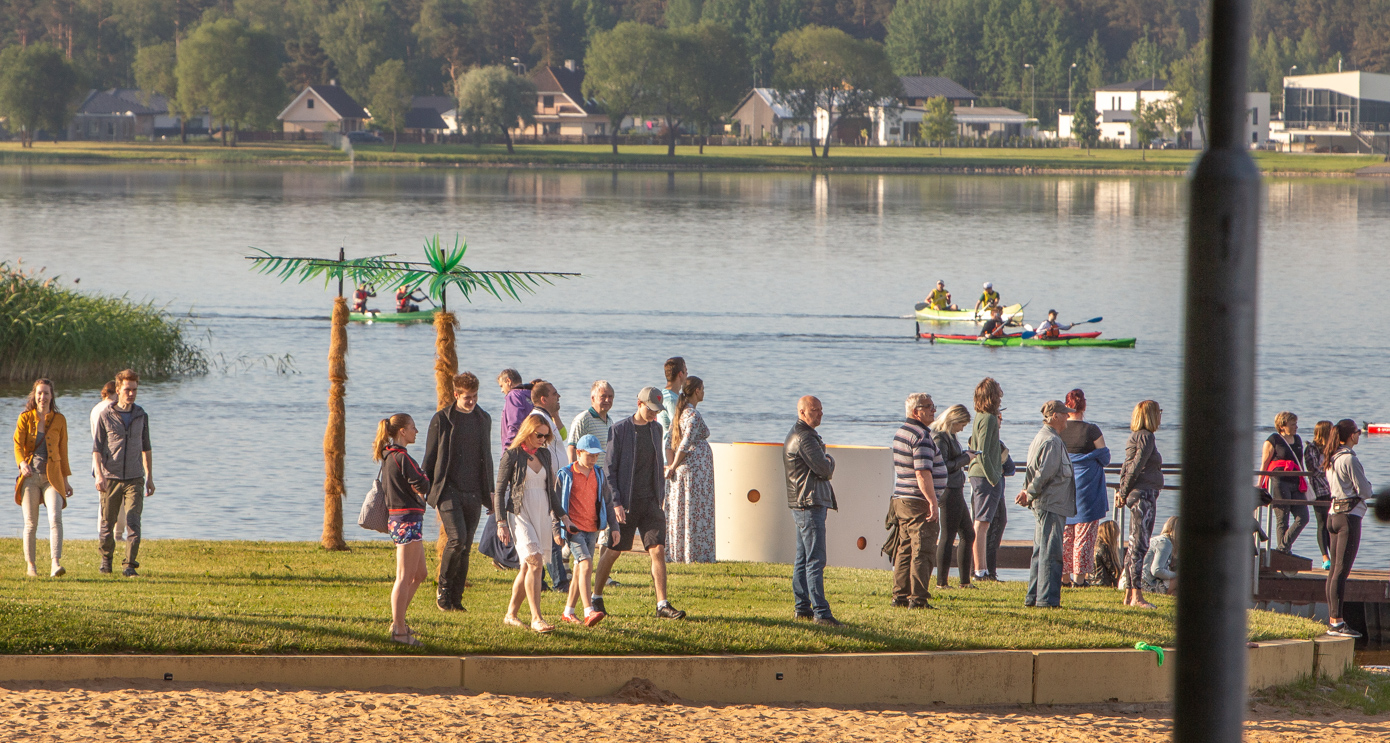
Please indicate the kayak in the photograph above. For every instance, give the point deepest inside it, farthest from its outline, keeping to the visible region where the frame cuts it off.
(926, 314)
(1043, 342)
(1377, 427)
(943, 336)
(399, 317)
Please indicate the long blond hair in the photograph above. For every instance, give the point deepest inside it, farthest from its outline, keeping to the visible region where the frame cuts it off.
(1108, 541)
(953, 415)
(529, 424)
(386, 430)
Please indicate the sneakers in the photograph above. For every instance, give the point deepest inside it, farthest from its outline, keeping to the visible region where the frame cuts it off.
(920, 605)
(129, 572)
(105, 568)
(667, 611)
(1326, 564)
(443, 601)
(593, 618)
(899, 601)
(1341, 629)
(597, 602)
(799, 617)
(570, 619)
(828, 622)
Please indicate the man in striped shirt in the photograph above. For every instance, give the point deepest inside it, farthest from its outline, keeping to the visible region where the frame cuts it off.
(920, 472)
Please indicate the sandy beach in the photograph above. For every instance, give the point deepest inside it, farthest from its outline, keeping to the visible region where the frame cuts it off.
(172, 711)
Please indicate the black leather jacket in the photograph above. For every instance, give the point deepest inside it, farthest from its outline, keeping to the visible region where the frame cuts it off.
(511, 475)
(808, 468)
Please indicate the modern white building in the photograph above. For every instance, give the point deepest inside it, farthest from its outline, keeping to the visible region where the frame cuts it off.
(1116, 106)
(895, 124)
(1346, 111)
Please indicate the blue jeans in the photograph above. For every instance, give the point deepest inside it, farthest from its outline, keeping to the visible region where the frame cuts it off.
(1045, 569)
(808, 572)
(559, 576)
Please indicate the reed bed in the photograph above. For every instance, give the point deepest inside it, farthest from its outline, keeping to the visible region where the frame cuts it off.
(47, 330)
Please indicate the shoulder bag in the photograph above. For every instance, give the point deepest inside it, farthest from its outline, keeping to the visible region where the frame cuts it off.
(19, 479)
(1345, 505)
(373, 515)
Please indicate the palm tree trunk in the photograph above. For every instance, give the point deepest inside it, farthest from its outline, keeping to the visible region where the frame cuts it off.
(334, 436)
(446, 365)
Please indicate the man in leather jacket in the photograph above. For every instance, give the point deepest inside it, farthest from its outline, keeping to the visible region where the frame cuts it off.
(809, 495)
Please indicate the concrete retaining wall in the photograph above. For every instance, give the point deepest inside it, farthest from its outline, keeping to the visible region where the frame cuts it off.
(958, 678)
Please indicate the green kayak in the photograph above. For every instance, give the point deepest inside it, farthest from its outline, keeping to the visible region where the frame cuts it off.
(1046, 343)
(399, 317)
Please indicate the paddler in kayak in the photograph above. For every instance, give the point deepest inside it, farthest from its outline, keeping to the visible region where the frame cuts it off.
(1051, 328)
(988, 300)
(940, 299)
(360, 297)
(406, 299)
(995, 325)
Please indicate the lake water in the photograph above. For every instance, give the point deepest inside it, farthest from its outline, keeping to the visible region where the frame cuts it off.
(770, 285)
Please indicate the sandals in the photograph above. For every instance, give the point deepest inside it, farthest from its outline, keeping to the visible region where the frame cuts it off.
(513, 622)
(542, 627)
(407, 638)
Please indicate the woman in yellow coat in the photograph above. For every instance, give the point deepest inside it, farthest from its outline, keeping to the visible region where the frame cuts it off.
(41, 451)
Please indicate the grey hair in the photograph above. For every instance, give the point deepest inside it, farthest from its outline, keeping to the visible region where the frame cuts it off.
(915, 400)
(600, 383)
(951, 416)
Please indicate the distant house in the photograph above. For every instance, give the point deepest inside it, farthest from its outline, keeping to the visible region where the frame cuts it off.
(1348, 110)
(431, 114)
(561, 108)
(972, 122)
(918, 90)
(1117, 106)
(760, 116)
(320, 108)
(118, 114)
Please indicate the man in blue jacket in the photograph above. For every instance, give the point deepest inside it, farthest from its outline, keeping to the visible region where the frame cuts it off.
(635, 472)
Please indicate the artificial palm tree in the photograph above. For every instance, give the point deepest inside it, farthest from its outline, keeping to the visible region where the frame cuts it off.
(442, 268)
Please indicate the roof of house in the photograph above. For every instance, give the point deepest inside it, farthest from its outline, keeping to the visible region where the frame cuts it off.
(123, 101)
(565, 81)
(989, 114)
(769, 98)
(934, 87)
(424, 118)
(437, 103)
(335, 98)
(1148, 83)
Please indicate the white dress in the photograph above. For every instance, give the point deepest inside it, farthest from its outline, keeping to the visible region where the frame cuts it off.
(531, 527)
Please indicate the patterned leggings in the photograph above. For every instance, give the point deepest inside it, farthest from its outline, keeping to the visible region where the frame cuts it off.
(1141, 529)
(1079, 548)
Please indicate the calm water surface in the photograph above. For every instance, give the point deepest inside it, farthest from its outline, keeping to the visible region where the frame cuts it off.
(771, 285)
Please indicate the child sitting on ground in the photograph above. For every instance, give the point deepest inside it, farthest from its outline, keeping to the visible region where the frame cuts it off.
(585, 496)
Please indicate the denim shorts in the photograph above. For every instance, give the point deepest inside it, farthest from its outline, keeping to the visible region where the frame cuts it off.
(582, 544)
(406, 527)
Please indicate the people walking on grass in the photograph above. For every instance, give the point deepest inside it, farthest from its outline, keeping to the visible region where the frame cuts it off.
(676, 374)
(639, 491)
(526, 496)
(1050, 490)
(592, 421)
(810, 495)
(1089, 456)
(690, 468)
(516, 403)
(1283, 451)
(41, 451)
(1313, 461)
(1141, 480)
(108, 396)
(458, 461)
(545, 400)
(1346, 479)
(919, 473)
(1159, 575)
(955, 513)
(1109, 564)
(989, 299)
(124, 463)
(986, 471)
(584, 495)
(406, 487)
(940, 299)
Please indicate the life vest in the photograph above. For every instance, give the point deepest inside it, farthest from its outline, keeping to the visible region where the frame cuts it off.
(359, 300)
(402, 301)
(940, 299)
(1053, 330)
(990, 298)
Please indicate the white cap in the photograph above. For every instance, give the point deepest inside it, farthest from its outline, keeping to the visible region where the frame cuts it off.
(989, 284)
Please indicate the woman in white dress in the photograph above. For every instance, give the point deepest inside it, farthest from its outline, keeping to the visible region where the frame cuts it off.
(526, 494)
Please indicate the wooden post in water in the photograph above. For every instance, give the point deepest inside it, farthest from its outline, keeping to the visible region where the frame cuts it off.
(1218, 404)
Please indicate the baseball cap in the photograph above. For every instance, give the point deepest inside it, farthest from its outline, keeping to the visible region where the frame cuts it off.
(989, 284)
(1053, 407)
(651, 397)
(589, 443)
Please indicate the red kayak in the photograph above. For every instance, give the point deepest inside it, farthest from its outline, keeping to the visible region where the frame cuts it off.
(1377, 427)
(1063, 336)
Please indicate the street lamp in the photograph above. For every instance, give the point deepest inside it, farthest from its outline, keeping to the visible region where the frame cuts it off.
(1284, 98)
(1069, 71)
(1032, 99)
(518, 65)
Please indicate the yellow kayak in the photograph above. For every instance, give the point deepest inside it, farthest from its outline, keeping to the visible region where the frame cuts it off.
(927, 314)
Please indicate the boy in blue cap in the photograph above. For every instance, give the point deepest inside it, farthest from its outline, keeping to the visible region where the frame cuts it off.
(585, 496)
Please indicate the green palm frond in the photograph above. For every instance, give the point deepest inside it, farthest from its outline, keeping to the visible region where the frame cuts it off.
(366, 270)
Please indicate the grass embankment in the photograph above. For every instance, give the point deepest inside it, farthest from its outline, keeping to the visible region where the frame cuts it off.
(278, 597)
(50, 331)
(973, 159)
(1358, 689)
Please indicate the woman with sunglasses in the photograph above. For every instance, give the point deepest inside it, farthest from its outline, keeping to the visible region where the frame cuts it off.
(527, 497)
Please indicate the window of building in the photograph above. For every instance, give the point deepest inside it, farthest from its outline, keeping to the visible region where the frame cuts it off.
(548, 101)
(310, 103)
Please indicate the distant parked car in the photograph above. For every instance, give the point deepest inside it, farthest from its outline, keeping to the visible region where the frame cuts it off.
(1168, 144)
(364, 138)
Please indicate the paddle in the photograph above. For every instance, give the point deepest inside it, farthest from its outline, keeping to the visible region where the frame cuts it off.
(1084, 322)
(920, 306)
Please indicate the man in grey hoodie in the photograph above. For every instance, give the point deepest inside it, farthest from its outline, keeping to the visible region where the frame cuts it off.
(1048, 489)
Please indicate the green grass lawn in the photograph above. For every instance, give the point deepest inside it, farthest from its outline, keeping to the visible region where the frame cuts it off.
(292, 597)
(907, 158)
(1359, 689)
